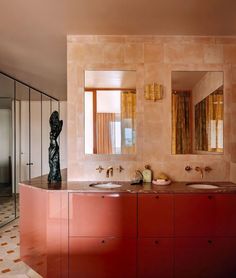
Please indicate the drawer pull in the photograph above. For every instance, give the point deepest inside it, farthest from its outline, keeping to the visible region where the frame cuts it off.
(103, 241)
(103, 196)
(156, 242)
(210, 241)
(157, 197)
(210, 197)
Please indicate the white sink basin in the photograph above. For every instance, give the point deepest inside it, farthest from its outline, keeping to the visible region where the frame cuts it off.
(203, 186)
(108, 185)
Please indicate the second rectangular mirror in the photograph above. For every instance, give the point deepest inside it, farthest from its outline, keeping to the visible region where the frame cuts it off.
(197, 112)
(110, 112)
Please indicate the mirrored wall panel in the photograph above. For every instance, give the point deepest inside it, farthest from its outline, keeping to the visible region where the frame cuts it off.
(24, 137)
(110, 112)
(197, 112)
(7, 185)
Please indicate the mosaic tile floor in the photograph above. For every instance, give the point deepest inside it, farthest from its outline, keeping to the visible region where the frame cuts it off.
(10, 262)
(5, 189)
(7, 209)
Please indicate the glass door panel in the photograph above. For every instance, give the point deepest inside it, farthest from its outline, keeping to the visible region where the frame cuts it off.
(46, 112)
(7, 174)
(35, 134)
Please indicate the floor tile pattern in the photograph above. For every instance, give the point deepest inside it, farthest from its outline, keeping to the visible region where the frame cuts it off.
(7, 209)
(10, 262)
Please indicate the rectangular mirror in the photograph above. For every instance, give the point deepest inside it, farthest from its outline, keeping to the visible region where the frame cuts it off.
(110, 112)
(197, 112)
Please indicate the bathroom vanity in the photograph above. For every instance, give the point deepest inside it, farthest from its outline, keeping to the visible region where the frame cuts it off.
(133, 231)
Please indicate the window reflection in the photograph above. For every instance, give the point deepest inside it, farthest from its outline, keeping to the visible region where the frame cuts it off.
(110, 121)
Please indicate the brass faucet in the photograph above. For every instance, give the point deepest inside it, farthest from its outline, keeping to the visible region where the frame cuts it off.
(109, 171)
(199, 169)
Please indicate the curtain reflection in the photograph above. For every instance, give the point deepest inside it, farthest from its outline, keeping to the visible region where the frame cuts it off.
(104, 140)
(128, 118)
(181, 130)
(209, 123)
(110, 118)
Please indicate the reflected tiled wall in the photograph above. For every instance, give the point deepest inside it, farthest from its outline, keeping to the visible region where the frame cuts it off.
(153, 58)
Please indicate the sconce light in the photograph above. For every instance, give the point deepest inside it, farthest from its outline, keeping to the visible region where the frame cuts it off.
(153, 92)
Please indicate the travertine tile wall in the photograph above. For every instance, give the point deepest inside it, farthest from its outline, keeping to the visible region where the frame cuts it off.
(233, 115)
(153, 58)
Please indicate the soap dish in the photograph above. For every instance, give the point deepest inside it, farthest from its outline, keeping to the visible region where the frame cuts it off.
(161, 182)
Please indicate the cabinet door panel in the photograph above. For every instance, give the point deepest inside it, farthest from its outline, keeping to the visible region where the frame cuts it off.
(155, 215)
(225, 254)
(194, 257)
(100, 215)
(194, 215)
(155, 258)
(102, 258)
(225, 215)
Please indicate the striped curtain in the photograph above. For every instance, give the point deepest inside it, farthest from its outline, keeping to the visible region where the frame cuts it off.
(104, 142)
(128, 121)
(181, 124)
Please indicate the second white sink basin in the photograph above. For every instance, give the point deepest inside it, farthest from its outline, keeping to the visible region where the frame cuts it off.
(203, 186)
(108, 185)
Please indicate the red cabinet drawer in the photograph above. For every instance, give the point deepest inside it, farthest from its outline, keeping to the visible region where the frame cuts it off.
(101, 215)
(194, 214)
(224, 257)
(155, 215)
(155, 258)
(204, 257)
(194, 257)
(102, 258)
(225, 213)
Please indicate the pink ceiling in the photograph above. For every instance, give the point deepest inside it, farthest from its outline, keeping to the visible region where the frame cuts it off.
(33, 32)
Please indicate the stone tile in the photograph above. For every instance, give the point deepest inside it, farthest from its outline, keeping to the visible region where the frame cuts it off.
(85, 53)
(213, 54)
(113, 53)
(233, 95)
(10, 262)
(134, 53)
(153, 53)
(111, 39)
(82, 39)
(183, 53)
(230, 54)
(234, 74)
(225, 40)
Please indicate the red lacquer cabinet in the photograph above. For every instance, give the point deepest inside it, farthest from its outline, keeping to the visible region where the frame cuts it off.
(225, 213)
(205, 235)
(193, 257)
(155, 215)
(194, 215)
(124, 235)
(102, 235)
(155, 235)
(102, 257)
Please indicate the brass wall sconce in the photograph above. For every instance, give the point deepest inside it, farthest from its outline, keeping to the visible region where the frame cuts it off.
(153, 92)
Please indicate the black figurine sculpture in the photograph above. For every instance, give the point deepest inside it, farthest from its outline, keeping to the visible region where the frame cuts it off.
(53, 150)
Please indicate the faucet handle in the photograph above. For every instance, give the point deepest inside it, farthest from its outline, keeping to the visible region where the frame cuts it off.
(120, 169)
(100, 169)
(188, 168)
(207, 169)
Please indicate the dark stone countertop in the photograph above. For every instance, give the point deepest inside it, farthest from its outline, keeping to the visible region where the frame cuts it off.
(84, 186)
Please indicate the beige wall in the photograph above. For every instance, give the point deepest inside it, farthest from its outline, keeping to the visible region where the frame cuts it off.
(153, 58)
